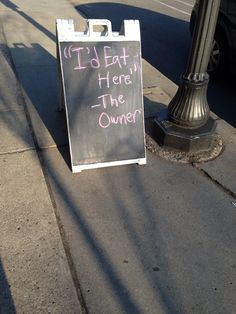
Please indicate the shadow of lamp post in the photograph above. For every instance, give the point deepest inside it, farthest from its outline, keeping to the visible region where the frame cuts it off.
(186, 125)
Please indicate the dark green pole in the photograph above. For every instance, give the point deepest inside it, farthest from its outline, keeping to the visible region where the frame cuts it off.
(187, 125)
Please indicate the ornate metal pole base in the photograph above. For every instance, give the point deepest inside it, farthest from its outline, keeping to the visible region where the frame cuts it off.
(189, 107)
(169, 134)
(186, 125)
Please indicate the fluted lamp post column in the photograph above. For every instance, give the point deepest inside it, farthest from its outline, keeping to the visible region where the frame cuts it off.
(186, 124)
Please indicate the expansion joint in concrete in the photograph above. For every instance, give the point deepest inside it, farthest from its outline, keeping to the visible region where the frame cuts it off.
(17, 151)
(217, 183)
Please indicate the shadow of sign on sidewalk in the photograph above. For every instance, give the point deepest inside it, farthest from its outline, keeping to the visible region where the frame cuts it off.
(39, 84)
(6, 301)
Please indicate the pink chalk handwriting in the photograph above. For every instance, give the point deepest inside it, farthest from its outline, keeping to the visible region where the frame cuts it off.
(105, 120)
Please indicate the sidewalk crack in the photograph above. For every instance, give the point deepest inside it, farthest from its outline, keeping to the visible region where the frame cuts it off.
(216, 182)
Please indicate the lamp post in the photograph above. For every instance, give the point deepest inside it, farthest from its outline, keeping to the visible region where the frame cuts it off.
(186, 124)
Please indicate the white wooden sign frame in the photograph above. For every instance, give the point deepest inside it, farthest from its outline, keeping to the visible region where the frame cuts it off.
(66, 33)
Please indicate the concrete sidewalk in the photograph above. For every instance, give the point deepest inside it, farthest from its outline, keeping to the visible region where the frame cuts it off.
(34, 272)
(158, 238)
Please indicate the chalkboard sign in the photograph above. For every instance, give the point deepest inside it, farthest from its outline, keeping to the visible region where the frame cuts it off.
(102, 94)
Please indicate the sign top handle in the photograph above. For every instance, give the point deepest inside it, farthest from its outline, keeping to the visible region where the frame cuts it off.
(130, 31)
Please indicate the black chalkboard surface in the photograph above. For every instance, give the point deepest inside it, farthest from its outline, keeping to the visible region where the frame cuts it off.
(102, 90)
